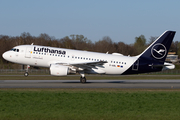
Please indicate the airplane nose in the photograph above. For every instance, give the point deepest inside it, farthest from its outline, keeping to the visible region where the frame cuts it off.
(5, 55)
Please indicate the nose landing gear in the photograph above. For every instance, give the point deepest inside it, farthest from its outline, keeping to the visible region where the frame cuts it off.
(26, 71)
(26, 74)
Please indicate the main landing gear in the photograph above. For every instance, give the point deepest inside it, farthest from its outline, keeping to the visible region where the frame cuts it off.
(26, 72)
(82, 78)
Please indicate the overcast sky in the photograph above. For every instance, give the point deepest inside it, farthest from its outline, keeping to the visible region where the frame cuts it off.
(121, 20)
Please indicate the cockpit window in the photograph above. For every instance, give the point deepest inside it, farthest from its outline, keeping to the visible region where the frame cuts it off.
(15, 50)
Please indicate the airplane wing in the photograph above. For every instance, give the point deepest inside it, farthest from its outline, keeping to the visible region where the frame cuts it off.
(89, 64)
(84, 65)
(89, 67)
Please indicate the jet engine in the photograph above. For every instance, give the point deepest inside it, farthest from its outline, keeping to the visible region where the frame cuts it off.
(59, 70)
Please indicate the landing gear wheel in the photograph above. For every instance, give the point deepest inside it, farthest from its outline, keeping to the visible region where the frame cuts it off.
(26, 71)
(26, 74)
(83, 80)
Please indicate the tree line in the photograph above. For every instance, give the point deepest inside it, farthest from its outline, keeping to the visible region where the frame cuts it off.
(79, 42)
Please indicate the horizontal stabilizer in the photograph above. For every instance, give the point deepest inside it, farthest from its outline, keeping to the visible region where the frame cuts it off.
(166, 66)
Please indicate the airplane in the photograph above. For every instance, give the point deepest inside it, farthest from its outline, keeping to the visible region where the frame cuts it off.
(63, 61)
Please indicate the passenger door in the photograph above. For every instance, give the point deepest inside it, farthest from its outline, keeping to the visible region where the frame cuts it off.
(28, 52)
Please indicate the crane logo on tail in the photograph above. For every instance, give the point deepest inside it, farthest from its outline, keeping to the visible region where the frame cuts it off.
(158, 51)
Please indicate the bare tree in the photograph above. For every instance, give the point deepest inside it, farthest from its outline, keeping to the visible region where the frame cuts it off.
(152, 39)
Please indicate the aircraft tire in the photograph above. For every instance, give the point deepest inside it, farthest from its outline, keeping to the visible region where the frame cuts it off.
(26, 74)
(83, 80)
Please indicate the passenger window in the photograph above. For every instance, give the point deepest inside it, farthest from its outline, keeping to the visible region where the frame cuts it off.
(17, 50)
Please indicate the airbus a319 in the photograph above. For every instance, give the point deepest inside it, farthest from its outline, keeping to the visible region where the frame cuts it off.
(62, 62)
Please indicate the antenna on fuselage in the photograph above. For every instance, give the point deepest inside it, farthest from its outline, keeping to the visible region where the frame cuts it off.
(32, 43)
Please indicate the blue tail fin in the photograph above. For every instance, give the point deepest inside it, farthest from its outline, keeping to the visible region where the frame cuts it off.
(159, 48)
(152, 59)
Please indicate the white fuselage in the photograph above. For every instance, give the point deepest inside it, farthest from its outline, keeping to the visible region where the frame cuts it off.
(66, 61)
(44, 56)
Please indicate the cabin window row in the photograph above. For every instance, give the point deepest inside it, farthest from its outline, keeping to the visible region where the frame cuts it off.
(49, 54)
(83, 58)
(117, 62)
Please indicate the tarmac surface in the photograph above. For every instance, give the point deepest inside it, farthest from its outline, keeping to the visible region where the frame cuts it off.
(128, 84)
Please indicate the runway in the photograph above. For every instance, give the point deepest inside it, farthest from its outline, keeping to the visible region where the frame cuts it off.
(129, 84)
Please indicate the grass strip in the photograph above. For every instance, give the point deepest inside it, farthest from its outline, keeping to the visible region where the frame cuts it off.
(96, 104)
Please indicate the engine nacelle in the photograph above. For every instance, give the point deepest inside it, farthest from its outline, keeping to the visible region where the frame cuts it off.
(59, 70)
